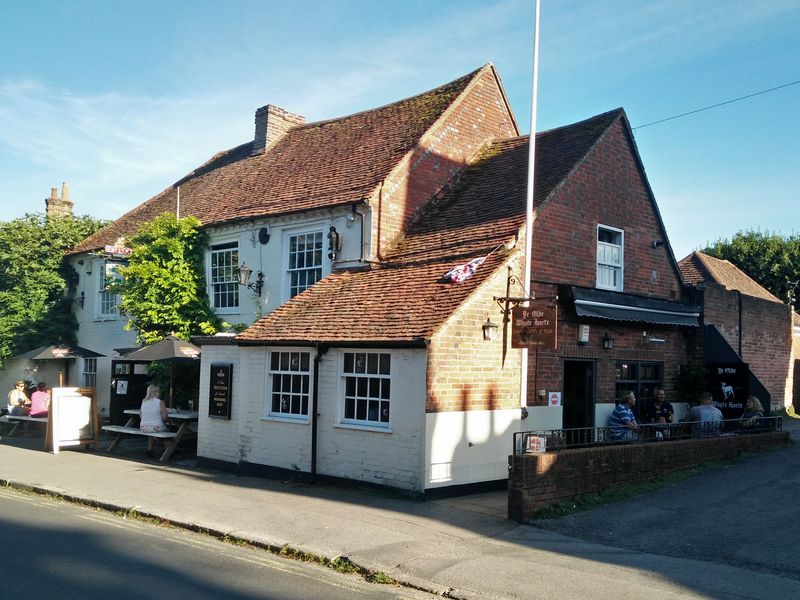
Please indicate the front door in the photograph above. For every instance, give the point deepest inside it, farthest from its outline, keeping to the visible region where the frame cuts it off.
(578, 394)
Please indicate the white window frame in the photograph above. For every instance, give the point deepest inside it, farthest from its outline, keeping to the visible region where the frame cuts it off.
(107, 302)
(287, 372)
(610, 259)
(89, 373)
(219, 248)
(293, 289)
(363, 386)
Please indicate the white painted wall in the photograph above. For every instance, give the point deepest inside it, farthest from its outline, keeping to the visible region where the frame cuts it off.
(469, 446)
(392, 457)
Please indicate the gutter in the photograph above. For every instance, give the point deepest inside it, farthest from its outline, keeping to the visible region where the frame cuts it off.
(322, 349)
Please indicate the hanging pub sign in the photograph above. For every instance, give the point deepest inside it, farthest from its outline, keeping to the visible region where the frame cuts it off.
(728, 384)
(219, 395)
(534, 326)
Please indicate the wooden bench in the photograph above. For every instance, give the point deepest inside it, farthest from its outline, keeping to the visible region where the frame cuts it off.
(152, 436)
(24, 420)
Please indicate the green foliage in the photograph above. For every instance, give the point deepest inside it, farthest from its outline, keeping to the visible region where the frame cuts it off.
(33, 278)
(163, 288)
(771, 259)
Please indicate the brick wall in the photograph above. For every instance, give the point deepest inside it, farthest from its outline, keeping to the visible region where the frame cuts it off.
(465, 372)
(538, 480)
(607, 189)
(766, 335)
(480, 115)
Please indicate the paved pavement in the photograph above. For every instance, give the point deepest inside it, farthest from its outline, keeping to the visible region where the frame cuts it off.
(463, 547)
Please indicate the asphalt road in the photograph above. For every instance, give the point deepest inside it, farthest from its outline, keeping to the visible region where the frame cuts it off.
(743, 515)
(54, 549)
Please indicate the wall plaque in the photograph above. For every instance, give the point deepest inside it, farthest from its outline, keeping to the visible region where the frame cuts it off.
(219, 395)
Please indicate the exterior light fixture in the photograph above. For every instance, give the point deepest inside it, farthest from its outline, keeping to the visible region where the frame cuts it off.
(80, 300)
(244, 279)
(334, 243)
(489, 330)
(608, 342)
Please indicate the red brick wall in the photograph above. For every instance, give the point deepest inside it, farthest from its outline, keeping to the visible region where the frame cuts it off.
(464, 371)
(480, 115)
(766, 335)
(538, 480)
(606, 189)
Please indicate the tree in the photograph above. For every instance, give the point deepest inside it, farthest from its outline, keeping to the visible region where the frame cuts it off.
(771, 259)
(34, 310)
(162, 289)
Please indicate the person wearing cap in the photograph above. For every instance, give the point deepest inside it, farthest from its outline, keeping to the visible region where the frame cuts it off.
(18, 401)
(40, 401)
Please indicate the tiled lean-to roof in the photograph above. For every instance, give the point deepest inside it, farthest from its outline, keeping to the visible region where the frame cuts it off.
(699, 268)
(315, 165)
(403, 299)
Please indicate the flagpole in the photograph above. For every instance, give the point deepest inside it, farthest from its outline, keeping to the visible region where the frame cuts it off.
(528, 273)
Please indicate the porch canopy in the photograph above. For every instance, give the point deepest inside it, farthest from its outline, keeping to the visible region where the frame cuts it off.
(60, 352)
(616, 306)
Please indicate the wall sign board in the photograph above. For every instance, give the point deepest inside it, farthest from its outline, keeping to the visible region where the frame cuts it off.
(219, 394)
(534, 326)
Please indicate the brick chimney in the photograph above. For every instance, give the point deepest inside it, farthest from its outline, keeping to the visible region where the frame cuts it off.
(60, 207)
(271, 124)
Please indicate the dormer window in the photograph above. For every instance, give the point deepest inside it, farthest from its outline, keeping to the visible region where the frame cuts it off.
(609, 258)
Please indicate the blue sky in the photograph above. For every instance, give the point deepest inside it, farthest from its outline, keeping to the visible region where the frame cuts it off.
(122, 98)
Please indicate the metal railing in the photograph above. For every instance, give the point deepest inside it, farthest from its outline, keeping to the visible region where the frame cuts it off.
(553, 440)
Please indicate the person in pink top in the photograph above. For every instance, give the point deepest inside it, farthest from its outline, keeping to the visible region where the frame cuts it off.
(40, 401)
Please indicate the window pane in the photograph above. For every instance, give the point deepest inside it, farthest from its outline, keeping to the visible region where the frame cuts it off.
(372, 363)
(349, 408)
(374, 387)
(384, 369)
(348, 362)
(361, 410)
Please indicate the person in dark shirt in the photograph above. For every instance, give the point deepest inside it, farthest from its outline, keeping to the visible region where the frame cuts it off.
(658, 412)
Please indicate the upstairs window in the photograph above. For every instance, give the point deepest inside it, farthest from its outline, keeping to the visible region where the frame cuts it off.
(224, 277)
(305, 261)
(108, 300)
(609, 258)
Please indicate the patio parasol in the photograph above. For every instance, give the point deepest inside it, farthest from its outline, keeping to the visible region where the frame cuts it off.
(62, 352)
(171, 349)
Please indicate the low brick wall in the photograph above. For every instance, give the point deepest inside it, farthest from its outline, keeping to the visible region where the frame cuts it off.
(538, 480)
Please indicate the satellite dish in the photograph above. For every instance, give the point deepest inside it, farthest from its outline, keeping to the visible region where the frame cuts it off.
(263, 235)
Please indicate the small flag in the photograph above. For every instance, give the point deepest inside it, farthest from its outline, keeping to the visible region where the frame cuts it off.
(463, 272)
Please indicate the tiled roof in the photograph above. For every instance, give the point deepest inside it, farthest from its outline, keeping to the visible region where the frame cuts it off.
(698, 268)
(316, 165)
(403, 299)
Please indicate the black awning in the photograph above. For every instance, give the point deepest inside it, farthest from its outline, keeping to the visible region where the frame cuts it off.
(615, 306)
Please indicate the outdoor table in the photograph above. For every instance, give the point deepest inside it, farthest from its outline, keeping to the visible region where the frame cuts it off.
(186, 418)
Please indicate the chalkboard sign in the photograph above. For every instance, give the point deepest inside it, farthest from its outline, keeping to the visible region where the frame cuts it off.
(72, 419)
(219, 395)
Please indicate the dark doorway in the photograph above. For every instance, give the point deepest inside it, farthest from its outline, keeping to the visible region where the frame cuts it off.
(129, 382)
(578, 394)
(796, 387)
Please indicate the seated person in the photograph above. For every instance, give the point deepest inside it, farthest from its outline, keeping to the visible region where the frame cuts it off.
(153, 415)
(706, 417)
(40, 401)
(622, 421)
(659, 411)
(753, 411)
(18, 401)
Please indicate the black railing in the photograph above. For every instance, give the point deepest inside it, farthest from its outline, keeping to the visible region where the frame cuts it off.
(553, 440)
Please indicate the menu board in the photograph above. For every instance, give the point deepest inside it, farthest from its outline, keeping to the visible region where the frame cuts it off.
(219, 394)
(72, 419)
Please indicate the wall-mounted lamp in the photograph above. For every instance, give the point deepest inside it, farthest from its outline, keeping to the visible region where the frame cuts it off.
(244, 279)
(655, 340)
(656, 243)
(80, 300)
(489, 330)
(608, 342)
(334, 243)
(351, 218)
